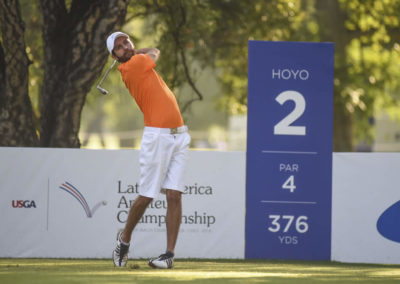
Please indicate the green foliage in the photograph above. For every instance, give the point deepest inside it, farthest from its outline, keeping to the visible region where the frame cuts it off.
(373, 61)
(263, 20)
(215, 33)
(198, 34)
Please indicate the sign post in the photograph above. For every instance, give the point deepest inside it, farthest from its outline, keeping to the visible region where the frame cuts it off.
(289, 150)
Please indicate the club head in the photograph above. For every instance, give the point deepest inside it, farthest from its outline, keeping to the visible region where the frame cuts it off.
(103, 91)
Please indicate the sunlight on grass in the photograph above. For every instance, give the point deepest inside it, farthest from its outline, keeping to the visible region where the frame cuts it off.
(186, 275)
(389, 272)
(194, 271)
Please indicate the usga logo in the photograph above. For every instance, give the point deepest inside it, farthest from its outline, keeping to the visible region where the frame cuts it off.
(23, 204)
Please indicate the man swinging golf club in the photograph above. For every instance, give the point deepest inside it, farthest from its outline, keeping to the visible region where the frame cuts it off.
(164, 145)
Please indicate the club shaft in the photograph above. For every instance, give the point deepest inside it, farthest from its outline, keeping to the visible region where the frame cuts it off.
(105, 74)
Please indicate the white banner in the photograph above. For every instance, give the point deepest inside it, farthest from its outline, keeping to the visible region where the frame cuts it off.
(366, 208)
(72, 202)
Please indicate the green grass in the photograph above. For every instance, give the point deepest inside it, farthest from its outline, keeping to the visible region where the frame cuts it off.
(193, 271)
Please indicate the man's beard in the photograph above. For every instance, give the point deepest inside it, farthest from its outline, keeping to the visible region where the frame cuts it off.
(124, 58)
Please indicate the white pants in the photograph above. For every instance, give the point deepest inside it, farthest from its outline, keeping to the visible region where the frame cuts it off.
(162, 160)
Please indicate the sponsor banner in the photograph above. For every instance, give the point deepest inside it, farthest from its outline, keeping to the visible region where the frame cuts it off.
(289, 150)
(72, 202)
(366, 208)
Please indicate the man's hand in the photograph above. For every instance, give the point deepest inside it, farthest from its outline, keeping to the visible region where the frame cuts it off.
(153, 52)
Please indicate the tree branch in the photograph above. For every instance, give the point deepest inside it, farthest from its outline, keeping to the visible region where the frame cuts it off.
(177, 36)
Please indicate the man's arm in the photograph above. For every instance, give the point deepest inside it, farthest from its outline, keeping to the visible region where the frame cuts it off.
(153, 52)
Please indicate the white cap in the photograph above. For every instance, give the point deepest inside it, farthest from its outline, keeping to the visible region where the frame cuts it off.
(111, 39)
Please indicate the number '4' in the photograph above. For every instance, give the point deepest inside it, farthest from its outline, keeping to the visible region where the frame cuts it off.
(289, 184)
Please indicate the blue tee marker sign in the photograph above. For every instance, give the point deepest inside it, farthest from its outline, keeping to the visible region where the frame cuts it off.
(289, 150)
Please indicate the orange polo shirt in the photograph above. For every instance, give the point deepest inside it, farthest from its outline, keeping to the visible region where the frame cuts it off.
(152, 95)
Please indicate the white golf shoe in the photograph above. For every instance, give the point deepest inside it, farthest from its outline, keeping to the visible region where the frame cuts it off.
(120, 253)
(164, 261)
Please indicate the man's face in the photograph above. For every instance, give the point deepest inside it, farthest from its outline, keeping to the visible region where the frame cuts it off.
(123, 49)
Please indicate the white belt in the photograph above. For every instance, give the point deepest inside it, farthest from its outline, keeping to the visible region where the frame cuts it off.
(176, 130)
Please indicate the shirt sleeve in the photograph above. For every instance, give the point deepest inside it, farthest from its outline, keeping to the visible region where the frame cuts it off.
(141, 63)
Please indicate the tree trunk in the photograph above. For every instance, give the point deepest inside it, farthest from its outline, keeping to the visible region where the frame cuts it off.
(74, 55)
(2, 81)
(16, 117)
(332, 28)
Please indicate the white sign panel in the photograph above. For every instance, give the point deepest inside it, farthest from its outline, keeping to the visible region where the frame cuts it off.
(366, 208)
(72, 202)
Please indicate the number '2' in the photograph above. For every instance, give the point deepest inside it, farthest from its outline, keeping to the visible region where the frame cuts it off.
(284, 126)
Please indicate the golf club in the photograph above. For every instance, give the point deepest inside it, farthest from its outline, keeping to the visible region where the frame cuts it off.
(102, 90)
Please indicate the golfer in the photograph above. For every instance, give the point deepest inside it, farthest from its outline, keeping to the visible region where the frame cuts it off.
(164, 145)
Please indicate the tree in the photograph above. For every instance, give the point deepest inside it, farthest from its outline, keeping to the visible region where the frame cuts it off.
(215, 33)
(74, 54)
(331, 22)
(367, 37)
(205, 32)
(16, 119)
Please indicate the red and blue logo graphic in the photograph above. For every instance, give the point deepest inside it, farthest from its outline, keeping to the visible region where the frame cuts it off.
(388, 223)
(68, 187)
